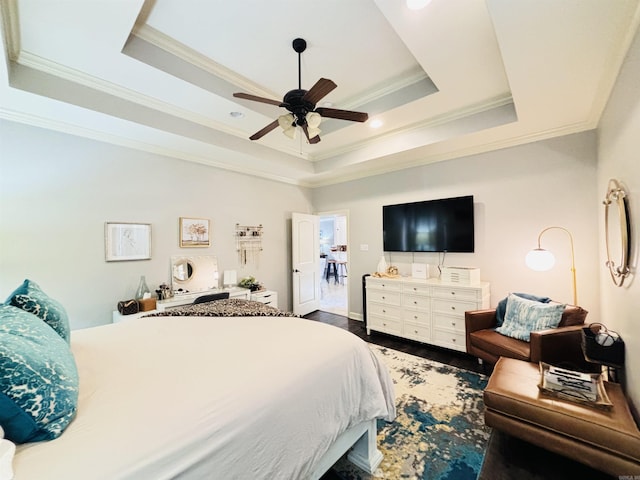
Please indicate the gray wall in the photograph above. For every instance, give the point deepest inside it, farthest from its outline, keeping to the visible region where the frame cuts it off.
(517, 192)
(57, 190)
(619, 147)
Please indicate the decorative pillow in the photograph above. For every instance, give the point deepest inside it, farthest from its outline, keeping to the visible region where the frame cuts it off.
(524, 316)
(30, 298)
(502, 305)
(38, 378)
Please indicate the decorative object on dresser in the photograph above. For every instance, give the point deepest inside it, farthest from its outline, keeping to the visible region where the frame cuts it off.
(428, 311)
(194, 232)
(127, 241)
(617, 232)
(143, 290)
(542, 260)
(128, 307)
(460, 275)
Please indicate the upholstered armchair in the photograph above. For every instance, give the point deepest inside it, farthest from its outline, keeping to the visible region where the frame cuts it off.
(561, 345)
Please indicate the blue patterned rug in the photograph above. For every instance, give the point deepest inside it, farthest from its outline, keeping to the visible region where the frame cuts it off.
(439, 432)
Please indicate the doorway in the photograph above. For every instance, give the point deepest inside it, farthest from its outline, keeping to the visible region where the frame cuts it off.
(334, 263)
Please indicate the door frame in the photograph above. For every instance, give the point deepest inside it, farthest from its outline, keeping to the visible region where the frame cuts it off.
(341, 213)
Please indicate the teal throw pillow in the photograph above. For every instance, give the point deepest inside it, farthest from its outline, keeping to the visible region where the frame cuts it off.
(38, 378)
(524, 316)
(502, 305)
(30, 298)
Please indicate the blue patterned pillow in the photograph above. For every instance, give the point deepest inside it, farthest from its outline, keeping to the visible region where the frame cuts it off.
(30, 298)
(502, 305)
(524, 316)
(38, 378)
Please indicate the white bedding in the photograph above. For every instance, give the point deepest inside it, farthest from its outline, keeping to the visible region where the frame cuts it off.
(210, 398)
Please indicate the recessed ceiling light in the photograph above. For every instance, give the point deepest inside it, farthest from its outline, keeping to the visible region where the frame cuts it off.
(375, 123)
(417, 4)
(236, 114)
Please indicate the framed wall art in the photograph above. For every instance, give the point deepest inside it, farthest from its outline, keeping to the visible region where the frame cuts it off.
(127, 241)
(194, 232)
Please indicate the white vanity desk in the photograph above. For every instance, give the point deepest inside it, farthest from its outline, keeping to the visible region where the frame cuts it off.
(184, 299)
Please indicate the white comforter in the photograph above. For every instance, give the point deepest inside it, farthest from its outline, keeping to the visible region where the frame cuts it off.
(210, 398)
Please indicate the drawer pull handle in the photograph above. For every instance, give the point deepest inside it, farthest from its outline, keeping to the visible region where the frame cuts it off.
(384, 311)
(453, 324)
(384, 298)
(453, 340)
(453, 308)
(415, 331)
(415, 317)
(415, 302)
(453, 293)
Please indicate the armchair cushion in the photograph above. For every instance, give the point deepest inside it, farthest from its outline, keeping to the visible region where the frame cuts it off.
(501, 308)
(525, 316)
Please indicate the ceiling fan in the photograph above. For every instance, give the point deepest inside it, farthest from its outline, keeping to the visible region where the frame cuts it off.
(302, 106)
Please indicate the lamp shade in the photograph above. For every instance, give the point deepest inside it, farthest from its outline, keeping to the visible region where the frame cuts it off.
(540, 260)
(287, 123)
(313, 124)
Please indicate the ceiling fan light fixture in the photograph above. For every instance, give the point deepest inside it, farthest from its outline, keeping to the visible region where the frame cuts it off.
(287, 124)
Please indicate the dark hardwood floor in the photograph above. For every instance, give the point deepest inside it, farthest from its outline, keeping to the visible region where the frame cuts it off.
(431, 352)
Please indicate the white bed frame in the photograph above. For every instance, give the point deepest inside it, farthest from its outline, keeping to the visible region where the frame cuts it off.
(362, 440)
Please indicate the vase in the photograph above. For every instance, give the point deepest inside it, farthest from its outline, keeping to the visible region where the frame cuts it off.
(142, 288)
(382, 265)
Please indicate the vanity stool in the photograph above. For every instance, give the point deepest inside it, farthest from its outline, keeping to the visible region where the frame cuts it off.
(607, 440)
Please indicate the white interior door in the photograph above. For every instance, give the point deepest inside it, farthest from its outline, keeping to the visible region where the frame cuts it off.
(305, 259)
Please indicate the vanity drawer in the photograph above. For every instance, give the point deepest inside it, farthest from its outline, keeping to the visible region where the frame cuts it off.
(388, 298)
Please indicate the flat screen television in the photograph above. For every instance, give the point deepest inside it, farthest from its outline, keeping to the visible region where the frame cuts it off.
(444, 225)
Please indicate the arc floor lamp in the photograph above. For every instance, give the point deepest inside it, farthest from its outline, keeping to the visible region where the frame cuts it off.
(540, 259)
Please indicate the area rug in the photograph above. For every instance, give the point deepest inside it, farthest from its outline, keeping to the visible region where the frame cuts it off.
(439, 432)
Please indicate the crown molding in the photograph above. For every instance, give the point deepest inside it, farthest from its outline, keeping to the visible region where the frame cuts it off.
(169, 45)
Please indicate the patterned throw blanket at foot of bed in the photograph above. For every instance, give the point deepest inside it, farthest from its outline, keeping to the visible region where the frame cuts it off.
(232, 307)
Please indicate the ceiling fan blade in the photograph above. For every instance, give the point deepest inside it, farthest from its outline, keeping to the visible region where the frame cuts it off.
(255, 98)
(321, 88)
(313, 140)
(342, 114)
(264, 131)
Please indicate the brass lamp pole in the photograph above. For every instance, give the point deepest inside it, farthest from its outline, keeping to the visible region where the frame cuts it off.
(540, 259)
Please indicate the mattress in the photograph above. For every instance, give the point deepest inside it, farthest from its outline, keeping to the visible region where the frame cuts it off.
(211, 397)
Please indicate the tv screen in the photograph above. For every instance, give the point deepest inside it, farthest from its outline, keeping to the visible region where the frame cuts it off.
(444, 225)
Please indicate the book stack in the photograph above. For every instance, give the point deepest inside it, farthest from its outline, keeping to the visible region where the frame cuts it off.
(578, 385)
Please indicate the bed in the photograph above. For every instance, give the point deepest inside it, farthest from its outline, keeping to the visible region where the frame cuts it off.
(194, 396)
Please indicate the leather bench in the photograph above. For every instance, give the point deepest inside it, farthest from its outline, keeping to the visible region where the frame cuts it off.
(607, 440)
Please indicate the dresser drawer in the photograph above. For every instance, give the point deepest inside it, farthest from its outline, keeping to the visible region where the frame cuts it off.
(456, 293)
(449, 322)
(388, 298)
(416, 289)
(417, 332)
(384, 324)
(416, 316)
(383, 310)
(453, 340)
(452, 307)
(415, 301)
(380, 284)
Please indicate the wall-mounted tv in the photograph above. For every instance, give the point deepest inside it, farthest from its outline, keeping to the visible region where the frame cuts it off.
(444, 225)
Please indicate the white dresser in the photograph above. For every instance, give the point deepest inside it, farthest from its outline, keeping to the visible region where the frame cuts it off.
(428, 311)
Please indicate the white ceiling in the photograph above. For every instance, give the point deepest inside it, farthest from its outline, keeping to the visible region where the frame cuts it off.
(456, 78)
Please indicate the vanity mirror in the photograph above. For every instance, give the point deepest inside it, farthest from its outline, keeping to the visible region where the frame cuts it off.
(194, 273)
(617, 232)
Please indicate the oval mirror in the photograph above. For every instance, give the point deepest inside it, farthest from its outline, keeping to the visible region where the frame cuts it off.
(617, 232)
(183, 270)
